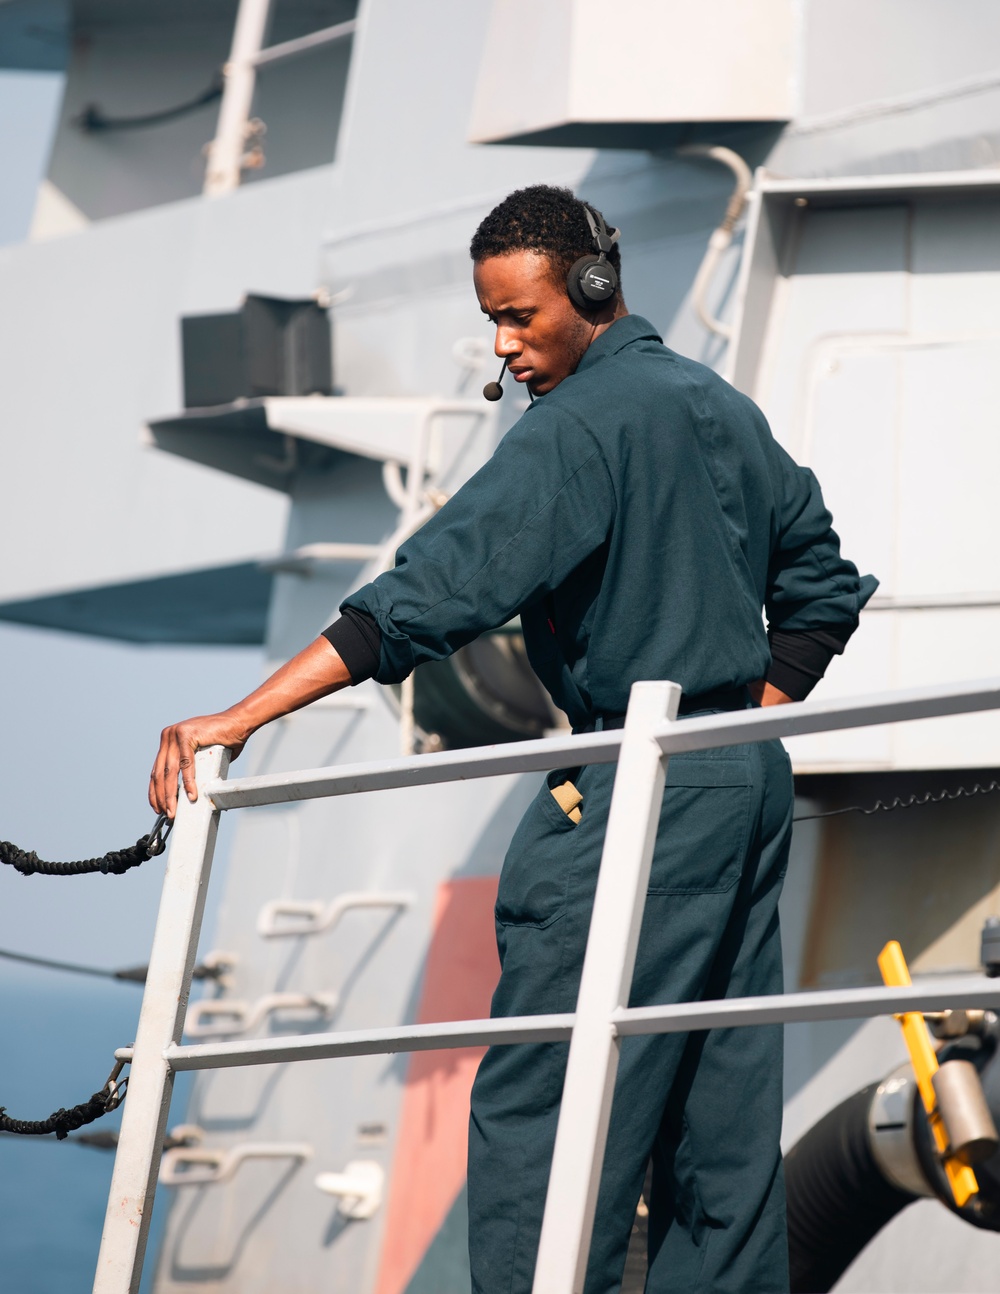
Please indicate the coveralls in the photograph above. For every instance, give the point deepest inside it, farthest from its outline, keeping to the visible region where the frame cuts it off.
(638, 517)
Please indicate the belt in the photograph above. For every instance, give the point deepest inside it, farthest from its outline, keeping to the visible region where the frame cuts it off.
(732, 698)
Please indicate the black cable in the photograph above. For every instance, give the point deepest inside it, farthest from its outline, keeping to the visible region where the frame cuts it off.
(54, 965)
(108, 1140)
(115, 861)
(92, 120)
(913, 801)
(129, 974)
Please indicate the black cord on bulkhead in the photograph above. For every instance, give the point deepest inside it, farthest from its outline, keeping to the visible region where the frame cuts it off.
(92, 119)
(913, 801)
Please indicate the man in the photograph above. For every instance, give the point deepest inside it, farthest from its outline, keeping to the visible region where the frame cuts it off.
(639, 516)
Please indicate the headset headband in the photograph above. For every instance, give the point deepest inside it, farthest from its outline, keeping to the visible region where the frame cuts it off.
(604, 237)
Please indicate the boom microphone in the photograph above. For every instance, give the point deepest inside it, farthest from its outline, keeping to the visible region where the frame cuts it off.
(493, 390)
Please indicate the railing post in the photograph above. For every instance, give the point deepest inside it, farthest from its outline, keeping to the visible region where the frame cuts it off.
(161, 1022)
(225, 153)
(604, 989)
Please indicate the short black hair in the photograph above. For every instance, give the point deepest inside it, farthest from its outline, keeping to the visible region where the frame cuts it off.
(541, 218)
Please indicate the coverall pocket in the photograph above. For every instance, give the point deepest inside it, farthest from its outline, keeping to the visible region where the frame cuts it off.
(704, 825)
(535, 876)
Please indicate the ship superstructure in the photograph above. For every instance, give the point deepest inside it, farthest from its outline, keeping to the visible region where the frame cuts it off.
(341, 154)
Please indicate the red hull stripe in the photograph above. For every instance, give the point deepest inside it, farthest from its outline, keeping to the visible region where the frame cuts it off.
(428, 1170)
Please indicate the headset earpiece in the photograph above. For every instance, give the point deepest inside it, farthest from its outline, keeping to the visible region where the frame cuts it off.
(592, 281)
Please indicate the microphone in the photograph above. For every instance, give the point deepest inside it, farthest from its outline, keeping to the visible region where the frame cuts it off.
(493, 390)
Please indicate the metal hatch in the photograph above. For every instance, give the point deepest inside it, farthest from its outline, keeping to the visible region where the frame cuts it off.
(867, 331)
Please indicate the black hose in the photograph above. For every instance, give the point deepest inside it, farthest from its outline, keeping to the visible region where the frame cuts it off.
(838, 1198)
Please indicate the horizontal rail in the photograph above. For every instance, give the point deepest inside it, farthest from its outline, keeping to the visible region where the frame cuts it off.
(934, 602)
(373, 1042)
(304, 44)
(938, 994)
(701, 733)
(931, 994)
(732, 728)
(417, 770)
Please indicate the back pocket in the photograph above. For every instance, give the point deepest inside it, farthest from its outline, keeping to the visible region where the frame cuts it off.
(704, 825)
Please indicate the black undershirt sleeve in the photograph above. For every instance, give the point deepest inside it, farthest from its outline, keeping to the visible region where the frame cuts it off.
(357, 640)
(799, 659)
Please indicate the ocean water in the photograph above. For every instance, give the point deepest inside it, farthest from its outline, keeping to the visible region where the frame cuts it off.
(58, 1033)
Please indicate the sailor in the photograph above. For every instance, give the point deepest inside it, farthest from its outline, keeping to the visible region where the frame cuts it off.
(639, 517)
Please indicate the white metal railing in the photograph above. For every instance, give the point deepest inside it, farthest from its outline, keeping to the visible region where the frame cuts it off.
(226, 152)
(602, 1017)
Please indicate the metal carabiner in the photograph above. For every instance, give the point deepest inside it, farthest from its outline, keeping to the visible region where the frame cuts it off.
(156, 841)
(114, 1089)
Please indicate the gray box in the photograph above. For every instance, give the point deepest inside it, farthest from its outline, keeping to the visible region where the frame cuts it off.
(270, 346)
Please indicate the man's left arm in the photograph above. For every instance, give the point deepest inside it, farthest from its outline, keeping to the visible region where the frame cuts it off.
(814, 594)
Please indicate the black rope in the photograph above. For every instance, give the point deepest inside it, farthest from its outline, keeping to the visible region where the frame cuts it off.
(116, 861)
(913, 801)
(63, 1122)
(92, 119)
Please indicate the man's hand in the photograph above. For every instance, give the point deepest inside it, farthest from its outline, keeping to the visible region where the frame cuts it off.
(176, 754)
(766, 694)
(314, 672)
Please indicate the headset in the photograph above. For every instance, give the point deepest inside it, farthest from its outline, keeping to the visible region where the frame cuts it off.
(591, 281)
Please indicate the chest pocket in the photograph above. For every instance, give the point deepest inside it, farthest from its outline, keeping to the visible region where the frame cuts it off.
(705, 825)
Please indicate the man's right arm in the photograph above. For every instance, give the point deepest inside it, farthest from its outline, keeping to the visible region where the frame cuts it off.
(526, 519)
(315, 672)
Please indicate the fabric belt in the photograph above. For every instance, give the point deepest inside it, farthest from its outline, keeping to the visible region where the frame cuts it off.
(734, 698)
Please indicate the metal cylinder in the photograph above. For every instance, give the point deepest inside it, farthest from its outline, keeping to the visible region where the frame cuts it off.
(972, 1134)
(890, 1132)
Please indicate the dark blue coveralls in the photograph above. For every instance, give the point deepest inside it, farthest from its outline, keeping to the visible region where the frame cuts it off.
(639, 517)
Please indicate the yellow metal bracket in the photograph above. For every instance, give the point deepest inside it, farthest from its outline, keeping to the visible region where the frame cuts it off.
(923, 1058)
